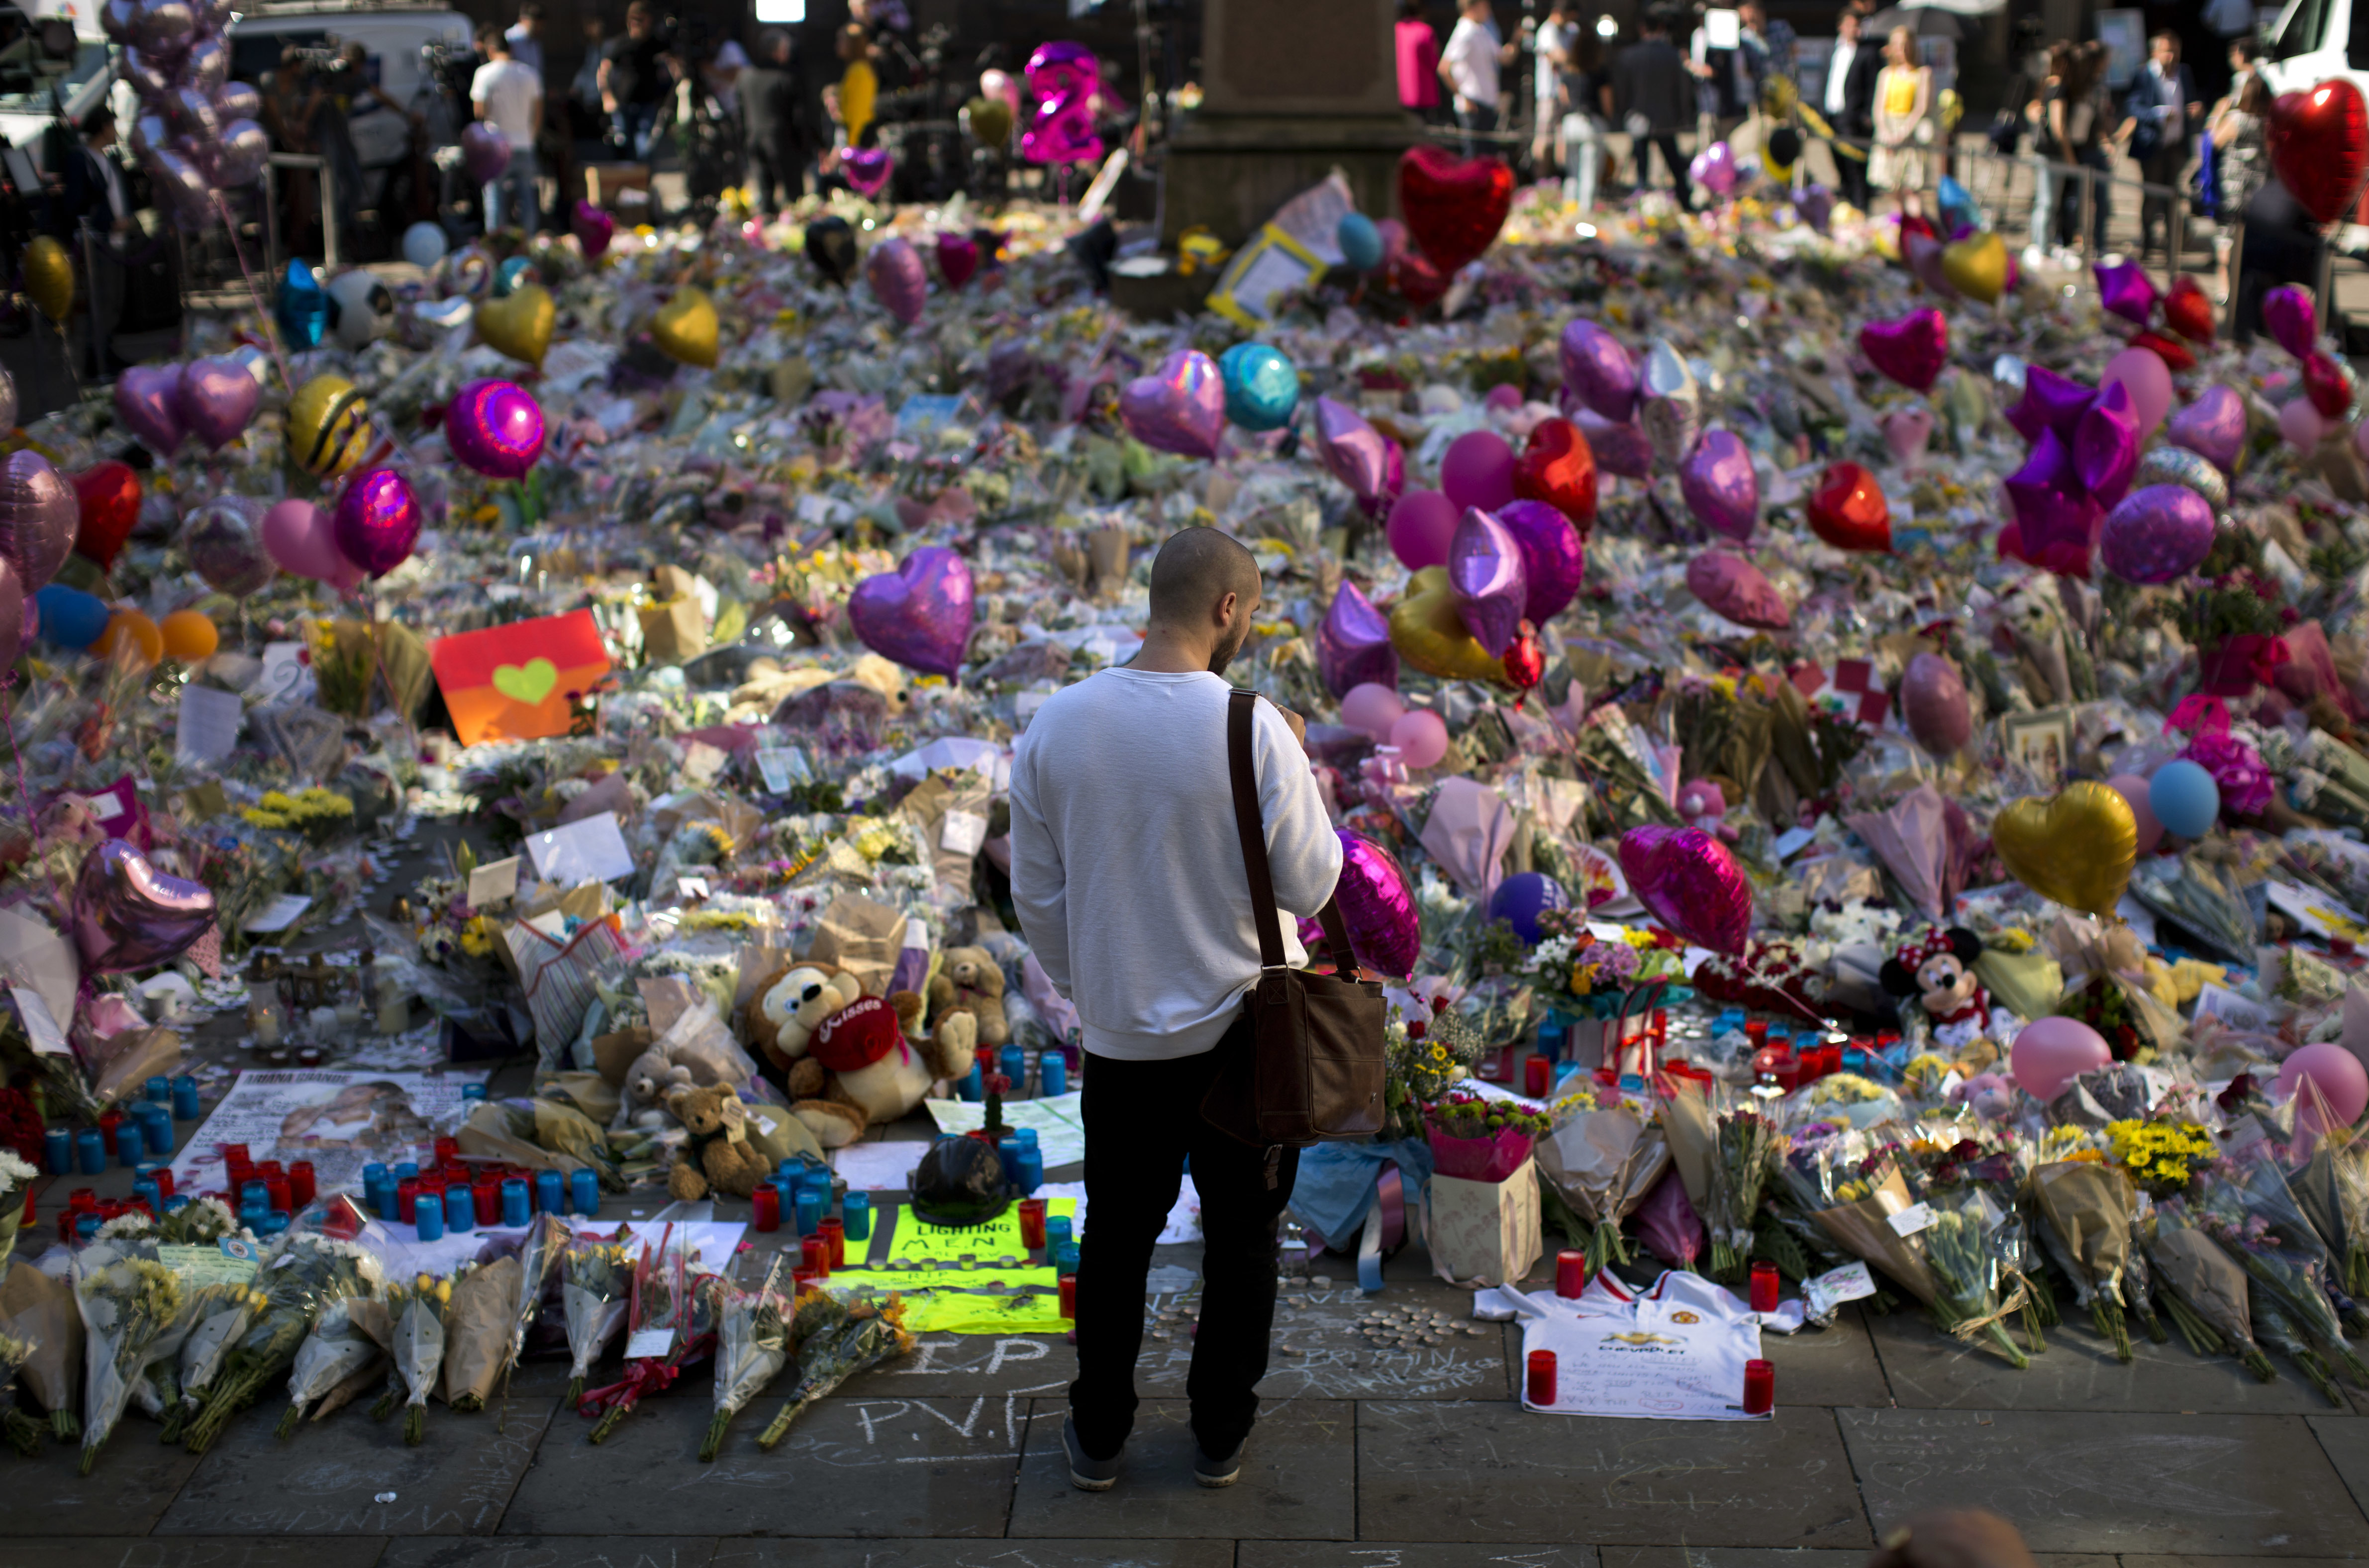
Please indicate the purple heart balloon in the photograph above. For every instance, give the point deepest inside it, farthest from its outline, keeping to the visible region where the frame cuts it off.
(377, 521)
(2050, 402)
(1620, 448)
(867, 169)
(2056, 521)
(1687, 880)
(495, 427)
(128, 915)
(1492, 584)
(1736, 588)
(215, 399)
(39, 515)
(1180, 407)
(1355, 454)
(1378, 905)
(1353, 646)
(1552, 555)
(2291, 319)
(2105, 445)
(485, 152)
(2214, 428)
(1719, 485)
(2159, 533)
(2124, 289)
(919, 615)
(899, 280)
(1815, 205)
(147, 399)
(1597, 370)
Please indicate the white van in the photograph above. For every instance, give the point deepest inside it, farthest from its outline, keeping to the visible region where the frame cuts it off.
(54, 59)
(2314, 39)
(397, 35)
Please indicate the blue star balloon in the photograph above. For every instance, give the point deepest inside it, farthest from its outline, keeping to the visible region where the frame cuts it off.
(1957, 205)
(303, 308)
(1262, 388)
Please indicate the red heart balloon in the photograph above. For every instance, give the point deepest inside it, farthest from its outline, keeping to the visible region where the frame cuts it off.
(1525, 666)
(1453, 206)
(1849, 511)
(1559, 468)
(1418, 281)
(108, 494)
(2174, 353)
(2187, 311)
(2324, 382)
(2320, 145)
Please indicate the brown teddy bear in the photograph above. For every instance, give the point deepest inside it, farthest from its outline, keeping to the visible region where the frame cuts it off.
(718, 1156)
(784, 1012)
(865, 1065)
(970, 981)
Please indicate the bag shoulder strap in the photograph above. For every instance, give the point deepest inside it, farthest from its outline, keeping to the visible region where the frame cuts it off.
(1249, 824)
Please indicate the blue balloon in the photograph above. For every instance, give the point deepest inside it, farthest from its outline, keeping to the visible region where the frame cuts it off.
(303, 308)
(70, 618)
(1522, 897)
(1262, 388)
(510, 273)
(1957, 203)
(1360, 242)
(2182, 796)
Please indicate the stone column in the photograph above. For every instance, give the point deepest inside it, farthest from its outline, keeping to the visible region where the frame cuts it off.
(1290, 89)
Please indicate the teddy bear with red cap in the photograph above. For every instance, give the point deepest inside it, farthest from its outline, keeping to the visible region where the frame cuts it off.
(868, 1062)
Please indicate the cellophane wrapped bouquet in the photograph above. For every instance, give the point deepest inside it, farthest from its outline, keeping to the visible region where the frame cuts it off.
(306, 1271)
(335, 1350)
(596, 1293)
(1600, 1162)
(836, 1339)
(671, 1326)
(415, 1317)
(753, 1346)
(127, 1298)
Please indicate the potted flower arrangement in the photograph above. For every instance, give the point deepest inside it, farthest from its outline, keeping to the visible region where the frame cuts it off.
(1484, 1194)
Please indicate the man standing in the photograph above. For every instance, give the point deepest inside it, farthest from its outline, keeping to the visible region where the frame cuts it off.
(1128, 876)
(1849, 104)
(1468, 65)
(1551, 61)
(526, 38)
(509, 98)
(95, 194)
(2163, 108)
(635, 78)
(769, 111)
(1649, 101)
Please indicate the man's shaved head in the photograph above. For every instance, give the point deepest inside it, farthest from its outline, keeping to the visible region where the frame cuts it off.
(1191, 577)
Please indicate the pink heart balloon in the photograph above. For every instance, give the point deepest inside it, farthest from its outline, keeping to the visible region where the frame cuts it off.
(1620, 448)
(1422, 525)
(1733, 587)
(1906, 433)
(377, 521)
(2050, 402)
(1378, 905)
(958, 258)
(2214, 427)
(39, 515)
(1485, 569)
(2055, 523)
(899, 281)
(1687, 880)
(128, 915)
(1933, 704)
(2148, 380)
(2291, 319)
(1353, 646)
(1719, 485)
(1553, 555)
(1181, 407)
(1911, 350)
(919, 616)
(592, 227)
(1354, 452)
(147, 399)
(867, 169)
(1597, 371)
(215, 399)
(2105, 445)
(300, 537)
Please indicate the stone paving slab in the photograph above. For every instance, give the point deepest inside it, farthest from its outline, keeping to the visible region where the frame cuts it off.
(975, 1554)
(1824, 1366)
(1770, 1557)
(1412, 1554)
(551, 1551)
(190, 1552)
(849, 1467)
(2346, 1443)
(1930, 1370)
(2144, 1560)
(1299, 1480)
(128, 1491)
(329, 1483)
(1491, 1472)
(2079, 1480)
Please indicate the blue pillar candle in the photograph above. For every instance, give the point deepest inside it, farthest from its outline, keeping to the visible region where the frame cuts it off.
(58, 1144)
(809, 1209)
(1052, 1073)
(584, 1189)
(90, 1151)
(428, 1219)
(972, 1085)
(1013, 1063)
(516, 1210)
(159, 1091)
(1031, 1174)
(1056, 1231)
(460, 1211)
(185, 1098)
(855, 1214)
(144, 1191)
(550, 1192)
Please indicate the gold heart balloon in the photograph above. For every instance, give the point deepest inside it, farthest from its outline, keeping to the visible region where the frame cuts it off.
(685, 327)
(1431, 636)
(1976, 267)
(520, 322)
(49, 278)
(2076, 847)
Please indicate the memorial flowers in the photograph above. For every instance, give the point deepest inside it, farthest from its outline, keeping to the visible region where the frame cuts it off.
(753, 1346)
(127, 1298)
(836, 1340)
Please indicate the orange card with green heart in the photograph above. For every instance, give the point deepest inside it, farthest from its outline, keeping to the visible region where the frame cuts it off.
(513, 682)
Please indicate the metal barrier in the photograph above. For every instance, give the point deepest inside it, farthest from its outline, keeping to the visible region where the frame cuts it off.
(272, 206)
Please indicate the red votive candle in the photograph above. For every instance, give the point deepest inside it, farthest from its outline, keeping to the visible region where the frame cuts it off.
(1534, 1076)
(301, 1190)
(235, 1155)
(766, 1202)
(106, 1126)
(1540, 1387)
(406, 1193)
(834, 1232)
(1764, 1287)
(448, 1150)
(164, 1177)
(278, 1188)
(1571, 1275)
(1759, 1388)
(800, 1278)
(815, 1253)
(1070, 1296)
(1031, 1223)
(486, 1192)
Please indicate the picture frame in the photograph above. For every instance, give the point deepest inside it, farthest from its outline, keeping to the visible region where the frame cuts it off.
(2040, 743)
(1272, 265)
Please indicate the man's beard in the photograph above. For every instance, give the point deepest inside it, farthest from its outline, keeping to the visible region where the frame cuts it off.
(1230, 645)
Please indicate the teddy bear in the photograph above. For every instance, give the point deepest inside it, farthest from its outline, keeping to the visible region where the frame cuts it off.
(1702, 804)
(971, 981)
(863, 1065)
(649, 1081)
(783, 1014)
(718, 1156)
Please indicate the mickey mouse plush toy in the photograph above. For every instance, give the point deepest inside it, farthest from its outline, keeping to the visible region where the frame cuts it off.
(1936, 965)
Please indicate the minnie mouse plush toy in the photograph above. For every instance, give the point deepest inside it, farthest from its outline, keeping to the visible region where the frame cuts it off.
(1936, 965)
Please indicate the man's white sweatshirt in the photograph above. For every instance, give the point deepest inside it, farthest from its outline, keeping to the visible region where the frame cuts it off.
(1126, 868)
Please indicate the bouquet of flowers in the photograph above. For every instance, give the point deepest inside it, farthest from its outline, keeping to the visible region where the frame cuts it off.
(836, 1339)
(16, 1180)
(2203, 1290)
(2088, 1207)
(1723, 1158)
(1968, 1266)
(1479, 1140)
(753, 1346)
(208, 1344)
(39, 1312)
(596, 1292)
(335, 1350)
(2161, 1154)
(1422, 1060)
(480, 1325)
(127, 1298)
(546, 1243)
(305, 1273)
(416, 1320)
(203, 1294)
(1852, 1198)
(20, 1431)
(670, 1327)
(2331, 1186)
(2277, 1328)
(1668, 1225)
(2249, 1211)
(1602, 1162)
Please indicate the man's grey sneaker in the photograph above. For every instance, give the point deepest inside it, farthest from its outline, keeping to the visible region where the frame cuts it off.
(1091, 1475)
(1222, 1471)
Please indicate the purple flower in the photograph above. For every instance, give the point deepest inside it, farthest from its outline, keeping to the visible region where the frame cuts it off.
(2246, 785)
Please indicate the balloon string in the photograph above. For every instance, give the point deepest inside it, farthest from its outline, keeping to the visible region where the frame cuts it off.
(271, 328)
(25, 792)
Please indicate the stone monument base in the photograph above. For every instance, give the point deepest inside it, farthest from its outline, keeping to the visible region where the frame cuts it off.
(1230, 172)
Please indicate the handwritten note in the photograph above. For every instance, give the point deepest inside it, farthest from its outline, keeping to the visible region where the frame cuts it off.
(209, 725)
(591, 850)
